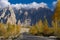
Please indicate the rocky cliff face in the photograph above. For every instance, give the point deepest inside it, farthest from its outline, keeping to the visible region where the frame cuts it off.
(8, 16)
(12, 18)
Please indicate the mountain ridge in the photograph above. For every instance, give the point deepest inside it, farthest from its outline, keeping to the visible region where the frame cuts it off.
(32, 15)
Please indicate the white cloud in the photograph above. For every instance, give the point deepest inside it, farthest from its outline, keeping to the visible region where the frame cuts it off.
(54, 3)
(5, 3)
(31, 5)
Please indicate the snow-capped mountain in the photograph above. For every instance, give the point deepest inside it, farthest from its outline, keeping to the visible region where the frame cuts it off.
(24, 16)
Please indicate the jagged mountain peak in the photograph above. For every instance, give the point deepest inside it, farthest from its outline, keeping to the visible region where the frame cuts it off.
(8, 15)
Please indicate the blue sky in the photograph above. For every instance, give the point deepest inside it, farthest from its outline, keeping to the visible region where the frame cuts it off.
(28, 3)
(49, 2)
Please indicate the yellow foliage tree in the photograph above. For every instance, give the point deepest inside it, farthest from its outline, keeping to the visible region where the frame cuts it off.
(33, 30)
(2, 29)
(8, 30)
(40, 26)
(46, 28)
(37, 29)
